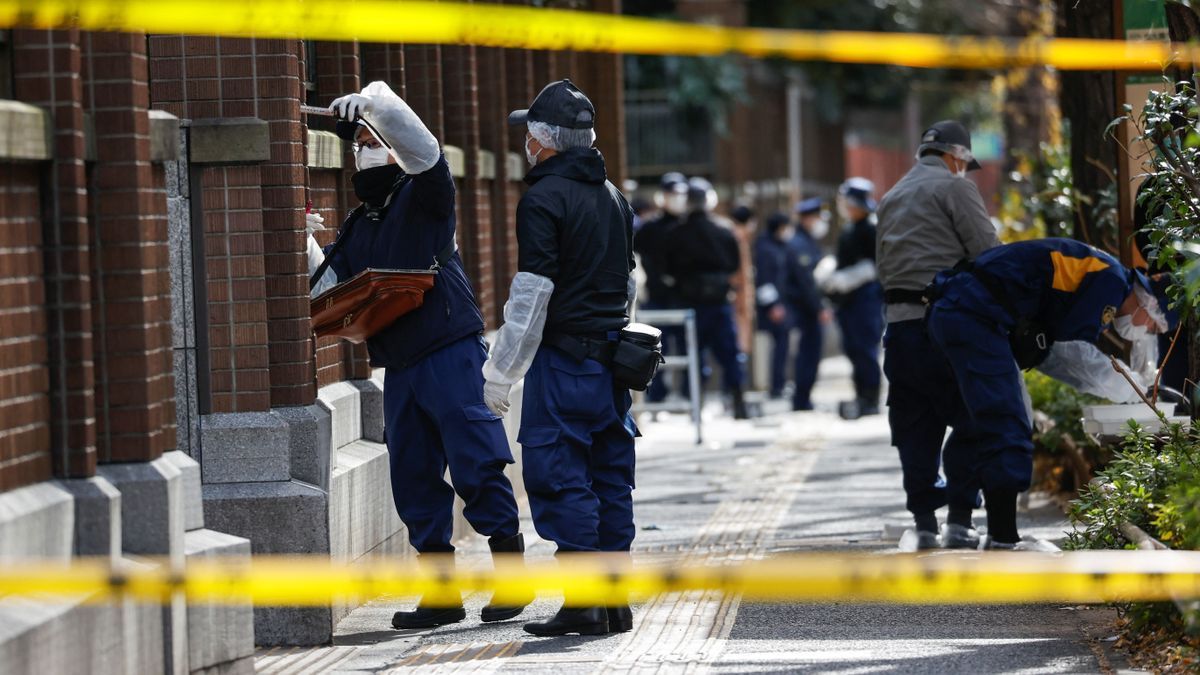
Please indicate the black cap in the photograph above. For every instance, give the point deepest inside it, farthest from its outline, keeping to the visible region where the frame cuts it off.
(947, 133)
(347, 130)
(741, 214)
(561, 104)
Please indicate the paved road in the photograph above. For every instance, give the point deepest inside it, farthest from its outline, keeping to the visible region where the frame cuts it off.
(784, 482)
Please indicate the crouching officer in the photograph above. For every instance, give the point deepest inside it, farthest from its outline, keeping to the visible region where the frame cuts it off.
(434, 412)
(858, 296)
(928, 221)
(568, 302)
(1001, 313)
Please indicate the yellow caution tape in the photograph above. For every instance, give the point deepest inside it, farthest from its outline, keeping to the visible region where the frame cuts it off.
(552, 29)
(977, 578)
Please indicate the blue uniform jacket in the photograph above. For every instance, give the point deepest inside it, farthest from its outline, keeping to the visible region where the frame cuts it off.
(802, 287)
(1072, 289)
(418, 224)
(771, 260)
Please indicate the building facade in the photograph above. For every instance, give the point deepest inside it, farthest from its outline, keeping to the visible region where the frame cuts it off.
(163, 396)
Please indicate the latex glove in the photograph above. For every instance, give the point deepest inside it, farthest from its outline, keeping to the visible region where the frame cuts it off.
(313, 222)
(836, 284)
(495, 396)
(351, 106)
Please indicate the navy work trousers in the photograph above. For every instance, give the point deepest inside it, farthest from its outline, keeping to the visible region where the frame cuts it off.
(577, 453)
(860, 318)
(923, 400)
(781, 337)
(808, 359)
(717, 334)
(434, 418)
(978, 351)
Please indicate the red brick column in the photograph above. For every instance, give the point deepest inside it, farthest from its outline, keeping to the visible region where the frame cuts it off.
(494, 137)
(520, 88)
(46, 67)
(423, 85)
(461, 91)
(135, 388)
(383, 62)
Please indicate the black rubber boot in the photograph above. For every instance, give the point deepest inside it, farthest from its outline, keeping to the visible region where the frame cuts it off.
(739, 405)
(428, 617)
(868, 403)
(620, 619)
(580, 620)
(505, 546)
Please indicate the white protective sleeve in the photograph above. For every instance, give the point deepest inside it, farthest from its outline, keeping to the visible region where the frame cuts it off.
(631, 288)
(1082, 365)
(518, 339)
(845, 280)
(413, 146)
(315, 257)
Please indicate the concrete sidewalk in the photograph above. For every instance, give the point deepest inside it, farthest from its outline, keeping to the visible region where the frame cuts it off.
(785, 482)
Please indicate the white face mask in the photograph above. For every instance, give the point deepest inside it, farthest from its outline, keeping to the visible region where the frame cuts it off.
(369, 158)
(962, 171)
(820, 228)
(529, 156)
(675, 203)
(1125, 328)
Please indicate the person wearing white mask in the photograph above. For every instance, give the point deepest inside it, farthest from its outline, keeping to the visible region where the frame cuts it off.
(931, 219)
(1004, 311)
(435, 415)
(808, 307)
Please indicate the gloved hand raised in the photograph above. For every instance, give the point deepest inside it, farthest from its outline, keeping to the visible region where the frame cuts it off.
(495, 396)
(351, 106)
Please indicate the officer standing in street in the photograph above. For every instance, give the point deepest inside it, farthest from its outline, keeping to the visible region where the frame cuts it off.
(570, 298)
(772, 260)
(433, 398)
(702, 259)
(856, 292)
(1002, 312)
(930, 220)
(650, 243)
(808, 308)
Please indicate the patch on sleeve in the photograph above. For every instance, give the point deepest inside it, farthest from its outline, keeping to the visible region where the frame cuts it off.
(1107, 316)
(1069, 272)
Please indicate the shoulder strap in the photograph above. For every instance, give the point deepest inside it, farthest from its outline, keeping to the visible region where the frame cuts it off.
(443, 256)
(337, 245)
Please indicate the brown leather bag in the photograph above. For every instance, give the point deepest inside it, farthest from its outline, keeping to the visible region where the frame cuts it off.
(373, 299)
(369, 302)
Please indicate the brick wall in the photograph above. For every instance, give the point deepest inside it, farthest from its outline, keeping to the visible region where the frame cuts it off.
(46, 73)
(24, 373)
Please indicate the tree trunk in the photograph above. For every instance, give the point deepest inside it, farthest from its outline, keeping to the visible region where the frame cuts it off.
(1088, 100)
(1028, 113)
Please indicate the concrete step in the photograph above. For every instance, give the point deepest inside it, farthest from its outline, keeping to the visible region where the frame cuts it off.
(220, 637)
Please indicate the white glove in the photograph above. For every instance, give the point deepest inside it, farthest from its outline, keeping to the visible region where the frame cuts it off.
(495, 396)
(313, 222)
(351, 106)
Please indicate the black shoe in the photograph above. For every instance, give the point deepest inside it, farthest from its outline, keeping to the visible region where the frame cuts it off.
(428, 617)
(509, 545)
(581, 620)
(740, 412)
(620, 619)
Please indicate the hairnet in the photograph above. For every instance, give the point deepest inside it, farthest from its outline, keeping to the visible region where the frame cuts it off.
(561, 138)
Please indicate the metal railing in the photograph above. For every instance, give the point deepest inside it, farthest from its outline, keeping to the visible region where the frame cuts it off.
(689, 361)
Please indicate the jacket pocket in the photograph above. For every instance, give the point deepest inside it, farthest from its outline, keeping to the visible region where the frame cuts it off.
(542, 459)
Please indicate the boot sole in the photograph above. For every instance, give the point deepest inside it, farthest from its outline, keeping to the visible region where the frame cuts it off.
(450, 616)
(589, 629)
(620, 627)
(505, 614)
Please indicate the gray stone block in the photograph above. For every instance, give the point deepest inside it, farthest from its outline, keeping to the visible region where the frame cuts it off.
(175, 634)
(151, 507)
(361, 511)
(37, 521)
(240, 667)
(229, 140)
(456, 159)
(189, 474)
(325, 150)
(309, 442)
(219, 635)
(370, 402)
(25, 132)
(187, 406)
(515, 166)
(342, 400)
(62, 637)
(164, 136)
(277, 517)
(244, 447)
(97, 516)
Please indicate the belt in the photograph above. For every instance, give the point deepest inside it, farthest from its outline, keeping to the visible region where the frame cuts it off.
(904, 296)
(597, 347)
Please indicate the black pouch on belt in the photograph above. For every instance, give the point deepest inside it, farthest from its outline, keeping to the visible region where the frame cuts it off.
(637, 356)
(1030, 344)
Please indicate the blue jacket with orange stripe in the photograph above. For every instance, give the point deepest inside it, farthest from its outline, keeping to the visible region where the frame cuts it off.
(1072, 289)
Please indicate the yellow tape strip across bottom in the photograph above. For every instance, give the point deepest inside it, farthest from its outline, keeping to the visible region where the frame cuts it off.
(978, 578)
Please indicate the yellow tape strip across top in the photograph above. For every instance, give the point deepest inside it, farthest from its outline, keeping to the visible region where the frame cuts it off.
(977, 578)
(492, 25)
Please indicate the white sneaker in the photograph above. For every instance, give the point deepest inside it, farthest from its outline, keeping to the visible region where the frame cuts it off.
(918, 540)
(958, 536)
(1026, 544)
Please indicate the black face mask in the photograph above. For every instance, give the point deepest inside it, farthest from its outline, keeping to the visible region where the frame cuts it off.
(375, 184)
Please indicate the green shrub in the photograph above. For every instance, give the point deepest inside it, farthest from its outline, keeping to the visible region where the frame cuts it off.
(1063, 404)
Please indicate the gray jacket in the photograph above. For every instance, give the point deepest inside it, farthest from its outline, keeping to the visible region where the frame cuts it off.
(928, 221)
